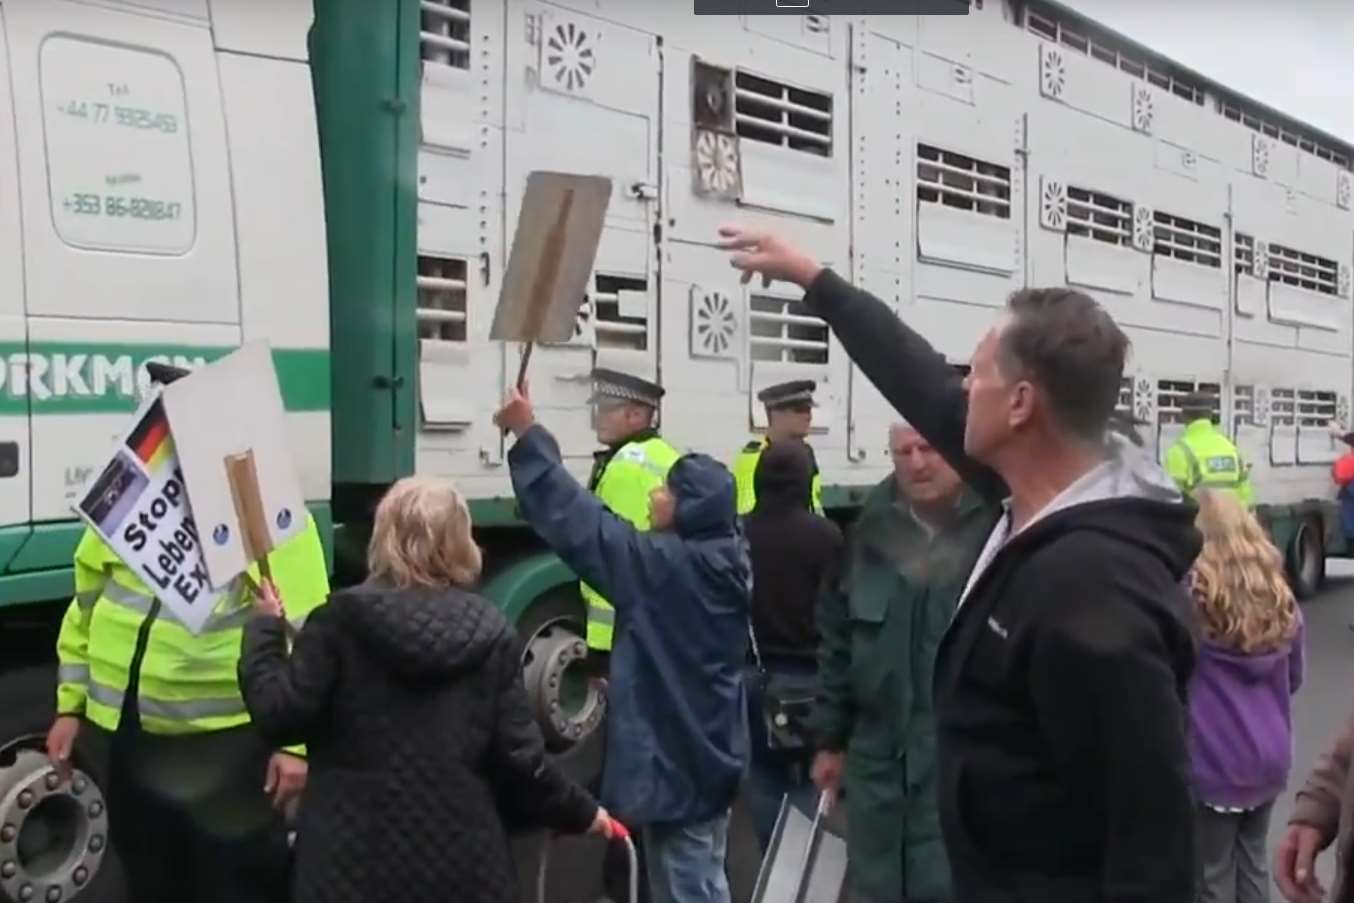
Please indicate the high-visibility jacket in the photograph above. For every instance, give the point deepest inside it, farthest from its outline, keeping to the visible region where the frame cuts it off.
(188, 682)
(623, 484)
(745, 469)
(1203, 457)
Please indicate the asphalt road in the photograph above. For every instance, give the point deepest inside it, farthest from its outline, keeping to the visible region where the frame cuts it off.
(1325, 700)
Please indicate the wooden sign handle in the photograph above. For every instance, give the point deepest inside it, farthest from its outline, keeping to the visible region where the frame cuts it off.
(522, 367)
(243, 477)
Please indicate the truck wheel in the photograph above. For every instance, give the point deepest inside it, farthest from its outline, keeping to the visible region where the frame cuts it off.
(1307, 560)
(569, 707)
(54, 843)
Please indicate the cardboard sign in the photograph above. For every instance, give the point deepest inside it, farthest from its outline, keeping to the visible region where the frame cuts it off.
(553, 249)
(138, 505)
(221, 415)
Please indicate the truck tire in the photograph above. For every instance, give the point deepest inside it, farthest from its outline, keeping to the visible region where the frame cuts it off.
(570, 708)
(53, 833)
(1307, 559)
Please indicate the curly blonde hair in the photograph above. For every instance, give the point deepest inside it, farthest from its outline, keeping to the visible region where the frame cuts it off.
(422, 536)
(1238, 583)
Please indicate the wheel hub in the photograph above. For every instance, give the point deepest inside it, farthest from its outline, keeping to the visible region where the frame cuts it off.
(53, 832)
(567, 706)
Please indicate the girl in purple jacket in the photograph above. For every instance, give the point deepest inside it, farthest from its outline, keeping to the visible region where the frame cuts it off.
(1250, 664)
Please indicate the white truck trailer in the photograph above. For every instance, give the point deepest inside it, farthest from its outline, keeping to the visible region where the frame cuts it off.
(341, 178)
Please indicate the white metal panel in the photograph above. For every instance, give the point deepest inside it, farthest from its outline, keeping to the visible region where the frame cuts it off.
(279, 208)
(185, 9)
(881, 227)
(15, 475)
(143, 85)
(585, 78)
(811, 32)
(279, 201)
(277, 28)
(1302, 307)
(1094, 264)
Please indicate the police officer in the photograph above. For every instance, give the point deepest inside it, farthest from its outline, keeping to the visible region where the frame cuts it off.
(789, 415)
(193, 794)
(634, 461)
(1204, 457)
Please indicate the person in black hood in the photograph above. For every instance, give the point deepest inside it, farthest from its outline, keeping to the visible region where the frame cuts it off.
(794, 554)
(1060, 685)
(408, 694)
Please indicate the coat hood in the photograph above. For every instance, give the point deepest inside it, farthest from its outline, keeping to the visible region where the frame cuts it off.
(706, 499)
(1130, 497)
(1255, 668)
(421, 633)
(783, 479)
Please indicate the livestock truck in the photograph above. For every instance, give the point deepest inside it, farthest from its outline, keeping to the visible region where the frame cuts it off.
(342, 179)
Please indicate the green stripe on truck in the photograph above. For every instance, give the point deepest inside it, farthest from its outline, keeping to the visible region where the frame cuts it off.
(102, 377)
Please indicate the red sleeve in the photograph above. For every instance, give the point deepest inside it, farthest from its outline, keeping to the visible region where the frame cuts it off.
(1343, 470)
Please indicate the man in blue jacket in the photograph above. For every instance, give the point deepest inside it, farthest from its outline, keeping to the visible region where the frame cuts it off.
(677, 742)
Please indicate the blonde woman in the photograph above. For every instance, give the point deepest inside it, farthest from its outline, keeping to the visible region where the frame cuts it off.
(1250, 664)
(407, 692)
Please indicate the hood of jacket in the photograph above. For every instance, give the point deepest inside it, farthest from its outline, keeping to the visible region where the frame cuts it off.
(1261, 667)
(705, 495)
(1130, 497)
(421, 633)
(783, 479)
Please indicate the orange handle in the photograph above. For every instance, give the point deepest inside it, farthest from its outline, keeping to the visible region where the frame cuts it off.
(619, 831)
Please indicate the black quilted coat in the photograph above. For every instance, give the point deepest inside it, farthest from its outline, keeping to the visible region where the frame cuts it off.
(420, 744)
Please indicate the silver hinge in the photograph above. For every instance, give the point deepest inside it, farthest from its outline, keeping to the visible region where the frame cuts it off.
(644, 191)
(533, 28)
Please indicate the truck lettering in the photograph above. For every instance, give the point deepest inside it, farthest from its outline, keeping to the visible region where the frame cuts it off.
(77, 374)
(36, 369)
(68, 376)
(117, 372)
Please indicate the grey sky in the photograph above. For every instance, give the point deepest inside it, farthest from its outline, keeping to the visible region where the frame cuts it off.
(1298, 61)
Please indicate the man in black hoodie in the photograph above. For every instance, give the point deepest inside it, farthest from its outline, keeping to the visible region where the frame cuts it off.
(1060, 684)
(794, 555)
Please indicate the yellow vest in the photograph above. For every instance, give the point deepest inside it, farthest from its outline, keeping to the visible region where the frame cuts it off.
(634, 471)
(745, 469)
(188, 681)
(1204, 457)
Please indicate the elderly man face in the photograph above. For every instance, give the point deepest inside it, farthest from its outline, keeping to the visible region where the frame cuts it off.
(922, 474)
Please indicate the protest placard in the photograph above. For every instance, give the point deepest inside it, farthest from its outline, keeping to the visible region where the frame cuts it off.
(230, 431)
(558, 231)
(138, 505)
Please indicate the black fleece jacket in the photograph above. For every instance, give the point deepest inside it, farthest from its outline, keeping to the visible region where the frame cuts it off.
(423, 748)
(1060, 684)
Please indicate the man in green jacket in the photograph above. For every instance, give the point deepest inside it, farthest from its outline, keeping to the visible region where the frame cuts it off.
(910, 552)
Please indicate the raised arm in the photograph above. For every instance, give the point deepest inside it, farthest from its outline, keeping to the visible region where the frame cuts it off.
(287, 694)
(601, 548)
(913, 376)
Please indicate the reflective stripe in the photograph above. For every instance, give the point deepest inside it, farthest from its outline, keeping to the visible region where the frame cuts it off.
(72, 674)
(185, 710)
(130, 598)
(601, 613)
(140, 602)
